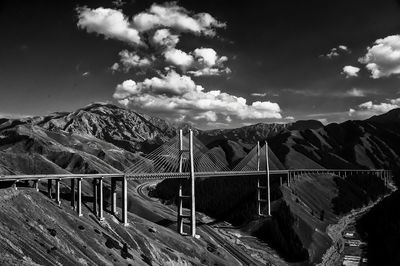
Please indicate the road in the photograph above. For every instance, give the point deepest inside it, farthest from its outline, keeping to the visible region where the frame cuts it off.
(242, 257)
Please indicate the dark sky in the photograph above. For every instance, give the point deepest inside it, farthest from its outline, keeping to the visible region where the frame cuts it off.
(274, 48)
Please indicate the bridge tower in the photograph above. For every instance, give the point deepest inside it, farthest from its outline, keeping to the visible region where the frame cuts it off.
(181, 197)
(267, 187)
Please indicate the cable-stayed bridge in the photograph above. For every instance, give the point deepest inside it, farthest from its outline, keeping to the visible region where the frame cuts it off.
(183, 157)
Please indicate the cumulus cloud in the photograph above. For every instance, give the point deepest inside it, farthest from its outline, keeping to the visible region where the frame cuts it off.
(179, 58)
(350, 71)
(169, 89)
(108, 22)
(209, 116)
(200, 62)
(130, 60)
(164, 39)
(383, 58)
(369, 108)
(178, 18)
(336, 51)
(157, 32)
(175, 93)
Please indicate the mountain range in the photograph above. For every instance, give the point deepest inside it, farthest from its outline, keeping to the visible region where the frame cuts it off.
(104, 138)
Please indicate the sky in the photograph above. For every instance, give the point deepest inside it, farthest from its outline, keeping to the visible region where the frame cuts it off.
(216, 64)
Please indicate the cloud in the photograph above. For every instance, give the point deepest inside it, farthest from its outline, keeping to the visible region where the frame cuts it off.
(178, 94)
(179, 58)
(369, 108)
(257, 94)
(289, 118)
(383, 58)
(350, 71)
(118, 3)
(343, 47)
(354, 92)
(200, 62)
(178, 18)
(164, 39)
(209, 116)
(130, 60)
(156, 33)
(336, 51)
(108, 22)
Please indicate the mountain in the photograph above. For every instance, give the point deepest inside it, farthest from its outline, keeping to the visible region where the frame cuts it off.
(104, 138)
(391, 117)
(258, 132)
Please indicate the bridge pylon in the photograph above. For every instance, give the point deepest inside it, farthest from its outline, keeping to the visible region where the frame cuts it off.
(261, 188)
(191, 197)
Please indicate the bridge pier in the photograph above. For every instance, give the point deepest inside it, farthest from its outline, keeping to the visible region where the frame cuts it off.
(100, 186)
(95, 197)
(73, 193)
(58, 201)
(114, 196)
(37, 185)
(50, 188)
(79, 203)
(125, 201)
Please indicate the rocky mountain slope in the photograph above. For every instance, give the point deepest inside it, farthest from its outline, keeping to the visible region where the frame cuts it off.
(103, 138)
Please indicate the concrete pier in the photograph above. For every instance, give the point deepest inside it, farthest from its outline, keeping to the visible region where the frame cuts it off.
(125, 201)
(114, 196)
(79, 203)
(101, 214)
(73, 193)
(37, 185)
(50, 188)
(58, 201)
(95, 197)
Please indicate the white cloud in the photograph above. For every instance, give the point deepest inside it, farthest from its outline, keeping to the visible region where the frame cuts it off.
(132, 60)
(336, 51)
(289, 118)
(332, 53)
(178, 58)
(178, 18)
(108, 22)
(174, 93)
(209, 116)
(354, 92)
(257, 94)
(383, 58)
(369, 109)
(210, 72)
(164, 39)
(350, 71)
(157, 30)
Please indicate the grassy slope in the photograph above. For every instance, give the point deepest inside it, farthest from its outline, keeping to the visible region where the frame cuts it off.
(33, 229)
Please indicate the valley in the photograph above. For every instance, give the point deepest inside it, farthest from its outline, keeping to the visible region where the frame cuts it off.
(96, 139)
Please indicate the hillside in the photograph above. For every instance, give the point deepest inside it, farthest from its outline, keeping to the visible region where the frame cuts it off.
(103, 138)
(35, 230)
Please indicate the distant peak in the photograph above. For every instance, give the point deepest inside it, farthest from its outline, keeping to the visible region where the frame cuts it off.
(393, 116)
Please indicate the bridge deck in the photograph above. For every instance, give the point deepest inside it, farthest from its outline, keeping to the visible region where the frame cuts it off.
(160, 176)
